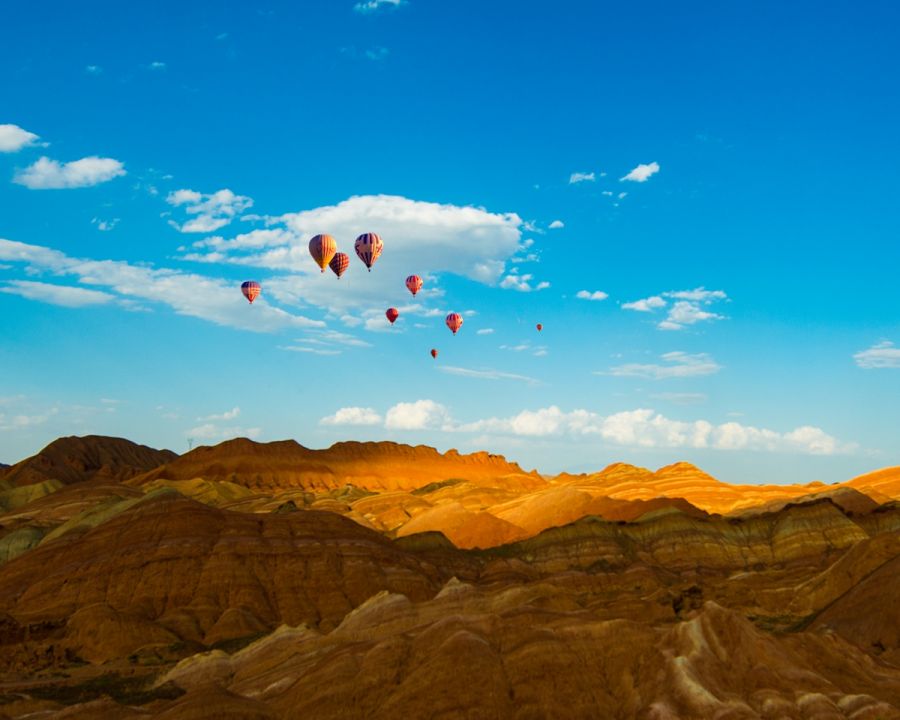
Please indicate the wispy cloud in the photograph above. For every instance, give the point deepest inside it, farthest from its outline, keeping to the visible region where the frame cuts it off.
(371, 6)
(556, 225)
(522, 283)
(227, 415)
(879, 356)
(93, 70)
(210, 212)
(13, 138)
(211, 299)
(105, 225)
(578, 177)
(641, 173)
(64, 295)
(588, 295)
(676, 365)
(485, 331)
(680, 398)
(157, 65)
(646, 305)
(487, 374)
(377, 53)
(47, 174)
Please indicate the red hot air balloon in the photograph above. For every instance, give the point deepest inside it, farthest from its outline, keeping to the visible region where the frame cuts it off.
(434, 353)
(540, 327)
(454, 322)
(322, 248)
(339, 264)
(368, 246)
(251, 290)
(414, 284)
(392, 314)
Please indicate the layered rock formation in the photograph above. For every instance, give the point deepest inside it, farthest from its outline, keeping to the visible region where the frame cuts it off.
(372, 580)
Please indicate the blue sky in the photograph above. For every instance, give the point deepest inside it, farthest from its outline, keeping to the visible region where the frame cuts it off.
(697, 201)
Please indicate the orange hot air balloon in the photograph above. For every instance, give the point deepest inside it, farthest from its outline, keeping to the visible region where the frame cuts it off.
(251, 290)
(368, 246)
(339, 264)
(414, 284)
(454, 322)
(540, 327)
(322, 248)
(434, 353)
(392, 314)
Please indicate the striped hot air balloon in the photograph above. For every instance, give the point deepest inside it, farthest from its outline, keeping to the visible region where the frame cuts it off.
(368, 246)
(454, 322)
(322, 248)
(251, 290)
(392, 314)
(434, 353)
(414, 284)
(339, 264)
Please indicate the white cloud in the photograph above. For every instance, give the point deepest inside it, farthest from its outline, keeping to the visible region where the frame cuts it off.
(649, 429)
(556, 225)
(418, 415)
(522, 283)
(13, 138)
(486, 374)
(64, 295)
(588, 295)
(646, 305)
(677, 364)
(485, 331)
(880, 355)
(352, 416)
(216, 433)
(641, 173)
(105, 225)
(371, 6)
(309, 350)
(578, 177)
(686, 313)
(93, 69)
(227, 415)
(157, 65)
(47, 174)
(210, 212)
(211, 299)
(466, 241)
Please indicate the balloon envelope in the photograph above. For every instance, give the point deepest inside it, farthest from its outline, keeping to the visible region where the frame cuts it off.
(322, 248)
(414, 284)
(339, 263)
(434, 353)
(540, 327)
(368, 246)
(251, 290)
(392, 314)
(454, 322)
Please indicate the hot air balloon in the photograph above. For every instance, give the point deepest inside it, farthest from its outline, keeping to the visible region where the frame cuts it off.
(368, 246)
(434, 353)
(540, 327)
(251, 290)
(414, 284)
(339, 263)
(392, 314)
(322, 248)
(454, 322)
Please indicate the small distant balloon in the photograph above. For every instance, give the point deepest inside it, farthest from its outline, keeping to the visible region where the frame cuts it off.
(322, 248)
(539, 327)
(434, 353)
(368, 246)
(251, 290)
(339, 264)
(454, 322)
(392, 314)
(414, 284)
